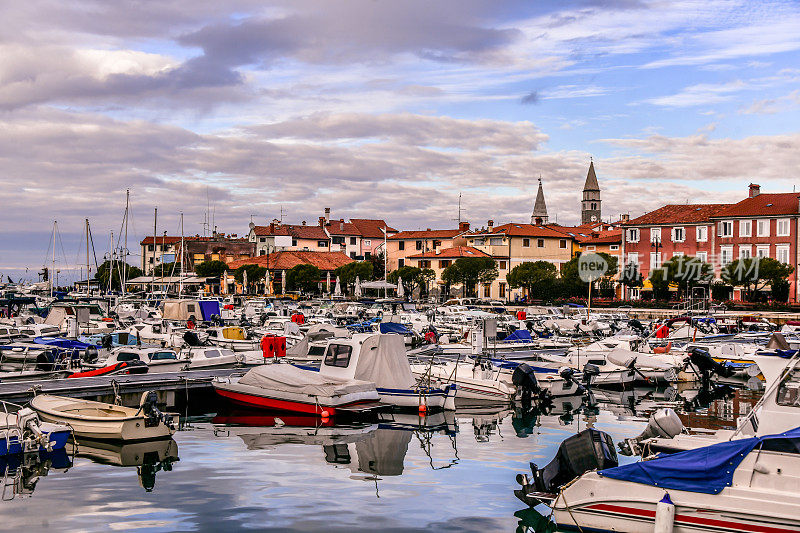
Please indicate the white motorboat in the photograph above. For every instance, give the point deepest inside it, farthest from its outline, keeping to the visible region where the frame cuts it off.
(232, 337)
(157, 359)
(480, 381)
(24, 432)
(210, 357)
(98, 420)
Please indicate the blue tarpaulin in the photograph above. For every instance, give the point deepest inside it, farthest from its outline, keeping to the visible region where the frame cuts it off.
(520, 335)
(209, 308)
(60, 342)
(393, 327)
(707, 470)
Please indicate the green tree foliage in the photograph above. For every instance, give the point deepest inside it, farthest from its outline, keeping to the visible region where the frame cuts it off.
(105, 271)
(426, 277)
(166, 269)
(684, 271)
(630, 276)
(469, 272)
(411, 277)
(755, 273)
(347, 273)
(536, 278)
(211, 269)
(255, 275)
(303, 278)
(378, 265)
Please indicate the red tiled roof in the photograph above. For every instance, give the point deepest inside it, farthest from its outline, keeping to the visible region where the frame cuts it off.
(764, 205)
(452, 253)
(678, 214)
(427, 234)
(164, 240)
(523, 230)
(295, 230)
(603, 237)
(371, 228)
(289, 259)
(339, 227)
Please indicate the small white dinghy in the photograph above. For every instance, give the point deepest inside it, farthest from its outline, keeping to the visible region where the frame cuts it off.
(98, 420)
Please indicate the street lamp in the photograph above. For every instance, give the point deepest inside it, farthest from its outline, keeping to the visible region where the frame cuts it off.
(656, 245)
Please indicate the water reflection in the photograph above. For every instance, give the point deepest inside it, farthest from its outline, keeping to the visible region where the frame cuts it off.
(21, 473)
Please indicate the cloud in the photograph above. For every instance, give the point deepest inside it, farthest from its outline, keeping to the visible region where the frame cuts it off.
(530, 98)
(700, 94)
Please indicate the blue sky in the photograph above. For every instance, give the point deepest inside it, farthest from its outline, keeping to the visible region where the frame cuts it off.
(383, 109)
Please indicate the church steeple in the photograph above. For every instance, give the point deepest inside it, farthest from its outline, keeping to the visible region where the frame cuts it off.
(590, 205)
(539, 215)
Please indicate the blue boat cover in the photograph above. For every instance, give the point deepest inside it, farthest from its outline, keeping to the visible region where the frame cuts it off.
(520, 335)
(707, 470)
(60, 342)
(209, 308)
(393, 327)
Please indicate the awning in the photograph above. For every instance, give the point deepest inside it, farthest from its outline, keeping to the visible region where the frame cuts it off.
(380, 284)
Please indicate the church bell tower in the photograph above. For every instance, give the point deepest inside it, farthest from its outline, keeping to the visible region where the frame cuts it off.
(590, 206)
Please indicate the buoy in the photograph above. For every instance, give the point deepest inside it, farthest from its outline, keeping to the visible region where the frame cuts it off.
(423, 409)
(324, 414)
(665, 515)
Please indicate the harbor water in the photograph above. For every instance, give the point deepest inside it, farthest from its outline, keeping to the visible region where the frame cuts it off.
(236, 470)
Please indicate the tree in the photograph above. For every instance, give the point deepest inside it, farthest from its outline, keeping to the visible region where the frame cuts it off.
(755, 273)
(165, 270)
(348, 273)
(537, 278)
(469, 272)
(303, 278)
(427, 276)
(104, 272)
(378, 265)
(211, 269)
(410, 276)
(684, 271)
(255, 274)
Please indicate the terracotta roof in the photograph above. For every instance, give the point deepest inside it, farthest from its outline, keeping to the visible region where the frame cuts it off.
(371, 228)
(764, 205)
(289, 259)
(340, 227)
(427, 234)
(164, 240)
(678, 214)
(523, 230)
(295, 230)
(603, 237)
(452, 253)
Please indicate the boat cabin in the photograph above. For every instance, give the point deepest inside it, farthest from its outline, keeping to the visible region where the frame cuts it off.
(379, 358)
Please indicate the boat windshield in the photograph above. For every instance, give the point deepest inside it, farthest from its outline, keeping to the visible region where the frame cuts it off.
(127, 356)
(789, 389)
(338, 355)
(161, 356)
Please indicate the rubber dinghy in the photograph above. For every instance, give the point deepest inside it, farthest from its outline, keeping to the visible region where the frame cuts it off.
(285, 387)
(98, 420)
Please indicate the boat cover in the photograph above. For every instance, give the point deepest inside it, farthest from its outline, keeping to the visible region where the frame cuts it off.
(394, 327)
(383, 452)
(707, 470)
(288, 378)
(383, 361)
(69, 344)
(209, 308)
(520, 335)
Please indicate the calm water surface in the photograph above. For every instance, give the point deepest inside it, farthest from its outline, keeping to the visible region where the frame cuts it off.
(444, 473)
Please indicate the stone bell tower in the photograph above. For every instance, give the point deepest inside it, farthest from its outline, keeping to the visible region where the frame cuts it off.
(590, 205)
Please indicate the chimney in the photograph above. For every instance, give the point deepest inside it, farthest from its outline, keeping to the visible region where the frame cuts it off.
(755, 190)
(490, 224)
(341, 224)
(463, 226)
(327, 214)
(625, 217)
(304, 222)
(321, 222)
(272, 227)
(429, 229)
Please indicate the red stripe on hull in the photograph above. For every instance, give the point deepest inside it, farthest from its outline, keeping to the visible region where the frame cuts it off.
(274, 403)
(692, 520)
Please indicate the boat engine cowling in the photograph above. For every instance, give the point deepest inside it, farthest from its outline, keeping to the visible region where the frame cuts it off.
(706, 364)
(191, 338)
(524, 379)
(589, 371)
(149, 407)
(590, 449)
(664, 423)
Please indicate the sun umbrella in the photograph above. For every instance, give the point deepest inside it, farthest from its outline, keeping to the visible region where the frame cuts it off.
(283, 282)
(266, 283)
(357, 291)
(244, 281)
(224, 288)
(338, 290)
(400, 290)
(328, 282)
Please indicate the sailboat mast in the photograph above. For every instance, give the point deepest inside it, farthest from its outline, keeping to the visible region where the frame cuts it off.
(87, 257)
(153, 270)
(53, 268)
(180, 272)
(125, 253)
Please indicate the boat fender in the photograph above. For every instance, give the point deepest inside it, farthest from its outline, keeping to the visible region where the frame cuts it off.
(665, 515)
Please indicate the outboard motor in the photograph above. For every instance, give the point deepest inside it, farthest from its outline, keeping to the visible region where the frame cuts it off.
(663, 423)
(90, 354)
(106, 342)
(149, 407)
(590, 449)
(525, 380)
(568, 375)
(191, 338)
(706, 366)
(636, 325)
(45, 361)
(589, 371)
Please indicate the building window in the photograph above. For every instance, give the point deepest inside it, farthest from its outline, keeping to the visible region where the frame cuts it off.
(540, 243)
(294, 242)
(150, 260)
(562, 244)
(655, 260)
(262, 239)
(444, 263)
(702, 256)
(424, 264)
(401, 263)
(745, 228)
(502, 265)
(502, 290)
(633, 257)
(352, 241)
(322, 244)
(487, 291)
(783, 227)
(633, 235)
(762, 251)
(352, 255)
(590, 248)
(337, 240)
(479, 242)
(678, 235)
(401, 245)
(594, 206)
(745, 251)
(726, 228)
(436, 244)
(496, 241)
(762, 228)
(702, 233)
(419, 245)
(614, 247)
(367, 255)
(726, 254)
(655, 234)
(782, 253)
(526, 243)
(262, 252)
(367, 242)
(149, 247)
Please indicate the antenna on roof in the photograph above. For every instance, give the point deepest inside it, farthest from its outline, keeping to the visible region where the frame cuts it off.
(282, 213)
(459, 209)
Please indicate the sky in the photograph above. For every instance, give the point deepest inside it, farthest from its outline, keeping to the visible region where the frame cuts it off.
(255, 109)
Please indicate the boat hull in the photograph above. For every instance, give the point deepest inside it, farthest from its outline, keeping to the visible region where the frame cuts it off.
(284, 401)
